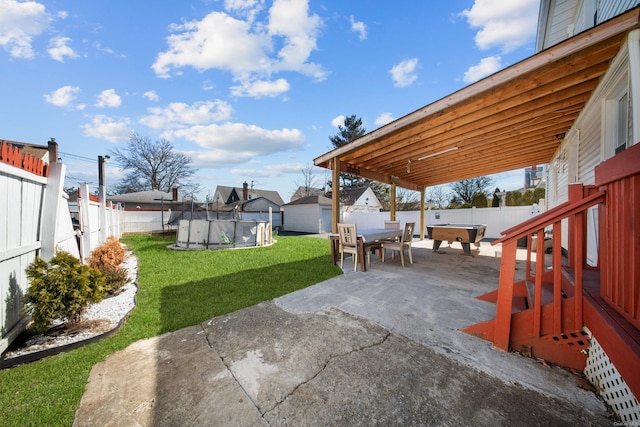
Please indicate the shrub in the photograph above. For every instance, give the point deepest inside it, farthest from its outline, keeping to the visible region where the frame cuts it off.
(108, 253)
(107, 258)
(115, 278)
(479, 200)
(60, 289)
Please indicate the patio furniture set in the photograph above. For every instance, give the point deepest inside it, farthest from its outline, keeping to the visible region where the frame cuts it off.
(358, 243)
(362, 242)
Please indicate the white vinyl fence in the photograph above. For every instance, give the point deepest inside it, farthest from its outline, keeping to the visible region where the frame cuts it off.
(34, 221)
(496, 219)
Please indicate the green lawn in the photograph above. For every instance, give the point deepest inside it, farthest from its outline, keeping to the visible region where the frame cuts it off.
(176, 289)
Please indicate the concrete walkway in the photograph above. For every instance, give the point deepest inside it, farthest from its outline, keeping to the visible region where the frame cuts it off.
(376, 348)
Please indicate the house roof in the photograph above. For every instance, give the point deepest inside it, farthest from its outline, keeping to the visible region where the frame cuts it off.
(35, 150)
(311, 200)
(512, 119)
(273, 196)
(151, 196)
(303, 191)
(349, 196)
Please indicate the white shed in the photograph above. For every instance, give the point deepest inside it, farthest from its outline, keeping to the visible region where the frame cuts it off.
(311, 214)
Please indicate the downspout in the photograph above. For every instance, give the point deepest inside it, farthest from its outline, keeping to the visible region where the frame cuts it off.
(634, 72)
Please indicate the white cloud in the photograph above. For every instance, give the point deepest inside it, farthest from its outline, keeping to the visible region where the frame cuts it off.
(20, 22)
(243, 47)
(261, 88)
(239, 139)
(404, 73)
(58, 48)
(271, 171)
(180, 115)
(151, 95)
(507, 25)
(359, 27)
(486, 67)
(108, 98)
(338, 121)
(218, 41)
(62, 97)
(245, 8)
(290, 19)
(384, 118)
(104, 127)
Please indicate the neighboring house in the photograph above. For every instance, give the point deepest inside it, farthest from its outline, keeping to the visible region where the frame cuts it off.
(149, 211)
(38, 151)
(310, 214)
(246, 203)
(306, 191)
(359, 199)
(151, 200)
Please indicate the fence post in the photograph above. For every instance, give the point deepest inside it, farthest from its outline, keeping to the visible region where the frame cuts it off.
(85, 222)
(52, 198)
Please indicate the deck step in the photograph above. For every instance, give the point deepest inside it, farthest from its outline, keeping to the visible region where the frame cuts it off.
(519, 304)
(547, 293)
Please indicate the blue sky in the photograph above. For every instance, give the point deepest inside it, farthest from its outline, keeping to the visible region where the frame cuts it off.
(251, 90)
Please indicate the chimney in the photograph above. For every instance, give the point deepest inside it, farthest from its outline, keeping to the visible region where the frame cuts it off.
(174, 193)
(53, 150)
(245, 191)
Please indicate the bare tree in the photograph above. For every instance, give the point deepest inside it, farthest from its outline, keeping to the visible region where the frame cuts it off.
(465, 189)
(407, 200)
(152, 166)
(308, 181)
(438, 195)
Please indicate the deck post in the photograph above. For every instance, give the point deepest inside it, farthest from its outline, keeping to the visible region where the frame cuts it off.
(422, 224)
(335, 194)
(505, 296)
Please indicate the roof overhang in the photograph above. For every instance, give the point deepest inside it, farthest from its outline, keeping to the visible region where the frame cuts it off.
(512, 119)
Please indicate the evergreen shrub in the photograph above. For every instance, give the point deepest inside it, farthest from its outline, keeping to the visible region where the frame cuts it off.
(60, 289)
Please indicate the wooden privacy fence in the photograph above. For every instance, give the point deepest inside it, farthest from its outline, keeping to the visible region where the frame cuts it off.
(35, 221)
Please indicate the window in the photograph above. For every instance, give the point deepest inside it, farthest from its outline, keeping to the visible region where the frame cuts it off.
(622, 123)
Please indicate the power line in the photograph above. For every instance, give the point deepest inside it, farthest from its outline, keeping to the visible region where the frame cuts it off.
(77, 157)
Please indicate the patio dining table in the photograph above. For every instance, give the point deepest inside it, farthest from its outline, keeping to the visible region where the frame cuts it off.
(368, 238)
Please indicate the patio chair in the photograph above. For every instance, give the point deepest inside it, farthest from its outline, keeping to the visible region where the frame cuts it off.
(402, 244)
(392, 225)
(348, 243)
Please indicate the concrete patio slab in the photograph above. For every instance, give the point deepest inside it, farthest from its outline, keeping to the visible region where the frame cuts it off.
(381, 347)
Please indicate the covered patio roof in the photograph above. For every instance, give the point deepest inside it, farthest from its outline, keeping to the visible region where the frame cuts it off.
(512, 119)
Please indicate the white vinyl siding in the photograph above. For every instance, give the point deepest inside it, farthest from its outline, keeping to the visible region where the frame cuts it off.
(567, 18)
(586, 16)
(608, 9)
(561, 15)
(589, 154)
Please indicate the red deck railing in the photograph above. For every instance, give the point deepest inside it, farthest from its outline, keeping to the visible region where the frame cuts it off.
(545, 313)
(576, 212)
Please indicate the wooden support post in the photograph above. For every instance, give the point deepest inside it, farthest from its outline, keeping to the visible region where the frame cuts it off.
(335, 194)
(422, 224)
(392, 202)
